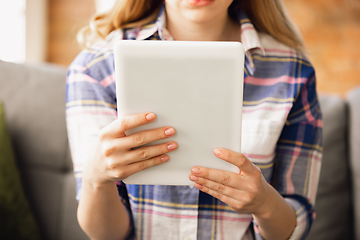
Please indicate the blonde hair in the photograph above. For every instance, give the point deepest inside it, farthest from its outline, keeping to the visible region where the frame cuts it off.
(268, 16)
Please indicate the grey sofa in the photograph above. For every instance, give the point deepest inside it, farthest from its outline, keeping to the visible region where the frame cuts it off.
(34, 101)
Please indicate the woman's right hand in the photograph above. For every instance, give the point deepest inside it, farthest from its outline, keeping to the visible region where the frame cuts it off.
(113, 157)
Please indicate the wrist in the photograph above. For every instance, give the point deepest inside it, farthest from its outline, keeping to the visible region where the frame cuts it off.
(268, 204)
(97, 184)
(276, 219)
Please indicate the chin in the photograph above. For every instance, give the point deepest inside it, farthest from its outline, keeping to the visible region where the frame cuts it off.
(199, 16)
(202, 14)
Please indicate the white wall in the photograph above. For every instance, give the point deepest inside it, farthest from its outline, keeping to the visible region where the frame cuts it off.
(36, 30)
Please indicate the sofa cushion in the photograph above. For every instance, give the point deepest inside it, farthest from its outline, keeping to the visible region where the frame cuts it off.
(34, 97)
(53, 199)
(16, 218)
(333, 201)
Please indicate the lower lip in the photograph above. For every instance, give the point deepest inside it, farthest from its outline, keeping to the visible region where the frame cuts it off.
(200, 3)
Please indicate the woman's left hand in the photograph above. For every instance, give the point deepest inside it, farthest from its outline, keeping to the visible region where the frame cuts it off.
(244, 192)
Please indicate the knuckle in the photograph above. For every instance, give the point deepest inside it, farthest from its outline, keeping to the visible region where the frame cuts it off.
(217, 195)
(251, 189)
(139, 139)
(119, 174)
(206, 189)
(102, 134)
(257, 171)
(202, 181)
(226, 154)
(249, 197)
(157, 161)
(241, 160)
(143, 165)
(111, 164)
(108, 150)
(123, 124)
(154, 161)
(204, 173)
(220, 187)
(143, 154)
(225, 178)
(238, 206)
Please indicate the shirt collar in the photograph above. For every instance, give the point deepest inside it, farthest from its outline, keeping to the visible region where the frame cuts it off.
(249, 35)
(158, 26)
(250, 40)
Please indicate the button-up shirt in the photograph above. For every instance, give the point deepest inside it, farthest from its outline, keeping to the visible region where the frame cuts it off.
(281, 134)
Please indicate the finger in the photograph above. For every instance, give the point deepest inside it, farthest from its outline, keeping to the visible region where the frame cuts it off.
(235, 158)
(231, 202)
(144, 137)
(144, 153)
(142, 165)
(220, 176)
(121, 125)
(216, 186)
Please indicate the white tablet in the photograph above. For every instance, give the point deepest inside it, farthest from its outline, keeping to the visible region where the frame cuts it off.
(195, 87)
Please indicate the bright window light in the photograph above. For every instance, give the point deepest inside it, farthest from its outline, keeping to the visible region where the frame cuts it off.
(12, 27)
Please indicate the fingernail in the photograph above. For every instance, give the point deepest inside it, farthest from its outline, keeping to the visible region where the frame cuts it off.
(169, 132)
(164, 158)
(194, 178)
(198, 186)
(150, 116)
(171, 146)
(217, 151)
(196, 170)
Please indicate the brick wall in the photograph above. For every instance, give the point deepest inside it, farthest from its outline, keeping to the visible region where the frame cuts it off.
(331, 30)
(66, 17)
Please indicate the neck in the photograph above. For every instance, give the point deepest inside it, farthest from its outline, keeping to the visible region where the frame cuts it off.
(219, 28)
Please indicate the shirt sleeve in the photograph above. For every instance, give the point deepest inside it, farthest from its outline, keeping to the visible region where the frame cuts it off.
(90, 106)
(298, 156)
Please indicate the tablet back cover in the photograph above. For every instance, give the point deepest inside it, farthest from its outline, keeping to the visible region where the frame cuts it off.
(195, 87)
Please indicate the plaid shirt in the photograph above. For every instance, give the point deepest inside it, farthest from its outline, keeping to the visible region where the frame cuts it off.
(281, 132)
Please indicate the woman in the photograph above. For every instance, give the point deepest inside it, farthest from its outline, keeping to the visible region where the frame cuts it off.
(273, 195)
